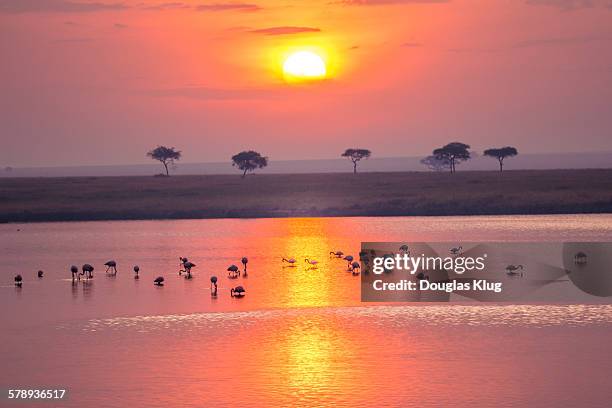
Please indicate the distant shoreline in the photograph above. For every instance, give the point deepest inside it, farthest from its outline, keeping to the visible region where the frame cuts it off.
(527, 192)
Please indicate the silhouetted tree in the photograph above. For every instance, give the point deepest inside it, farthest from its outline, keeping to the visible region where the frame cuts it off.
(355, 155)
(454, 153)
(435, 164)
(249, 161)
(165, 155)
(500, 154)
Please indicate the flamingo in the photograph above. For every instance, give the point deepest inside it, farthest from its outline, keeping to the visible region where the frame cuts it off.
(421, 276)
(290, 261)
(40, 274)
(183, 261)
(213, 282)
(456, 250)
(234, 272)
(238, 291)
(337, 254)
(111, 265)
(511, 270)
(313, 263)
(349, 259)
(245, 261)
(159, 281)
(355, 267)
(75, 272)
(87, 270)
(404, 249)
(18, 281)
(136, 270)
(187, 265)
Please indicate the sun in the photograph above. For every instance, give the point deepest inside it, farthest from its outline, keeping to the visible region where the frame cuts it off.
(304, 65)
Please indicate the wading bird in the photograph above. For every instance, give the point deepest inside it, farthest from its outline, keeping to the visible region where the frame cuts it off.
(337, 254)
(18, 281)
(87, 270)
(355, 268)
(290, 261)
(136, 270)
(75, 272)
(213, 285)
(513, 270)
(238, 291)
(349, 259)
(404, 249)
(312, 262)
(234, 271)
(456, 250)
(111, 265)
(159, 281)
(245, 261)
(187, 268)
(183, 261)
(40, 274)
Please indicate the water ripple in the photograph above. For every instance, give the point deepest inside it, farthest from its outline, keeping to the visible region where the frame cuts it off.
(388, 316)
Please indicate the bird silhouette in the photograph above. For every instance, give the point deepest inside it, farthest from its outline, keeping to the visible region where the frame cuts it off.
(111, 265)
(238, 291)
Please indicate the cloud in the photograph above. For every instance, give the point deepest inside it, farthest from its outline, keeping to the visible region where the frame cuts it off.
(285, 30)
(411, 44)
(570, 5)
(216, 94)
(228, 7)
(167, 6)
(560, 41)
(120, 25)
(388, 2)
(56, 6)
(75, 40)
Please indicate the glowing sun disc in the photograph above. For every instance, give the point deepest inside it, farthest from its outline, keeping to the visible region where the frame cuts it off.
(304, 64)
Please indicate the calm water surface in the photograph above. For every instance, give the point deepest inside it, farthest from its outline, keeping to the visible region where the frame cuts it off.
(300, 336)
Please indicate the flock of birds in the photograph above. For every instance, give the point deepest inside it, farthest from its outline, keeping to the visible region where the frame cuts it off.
(186, 266)
(234, 272)
(353, 266)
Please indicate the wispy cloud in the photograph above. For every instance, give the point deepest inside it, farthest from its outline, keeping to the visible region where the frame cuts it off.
(388, 2)
(570, 5)
(75, 40)
(412, 44)
(56, 6)
(216, 94)
(285, 30)
(120, 26)
(228, 7)
(167, 6)
(560, 41)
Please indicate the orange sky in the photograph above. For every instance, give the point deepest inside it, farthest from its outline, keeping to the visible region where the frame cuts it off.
(102, 82)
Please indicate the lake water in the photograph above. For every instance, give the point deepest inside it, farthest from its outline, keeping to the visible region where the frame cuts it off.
(300, 337)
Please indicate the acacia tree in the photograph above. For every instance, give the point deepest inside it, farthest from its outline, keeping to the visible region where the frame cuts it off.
(500, 154)
(249, 161)
(165, 155)
(434, 163)
(355, 155)
(454, 153)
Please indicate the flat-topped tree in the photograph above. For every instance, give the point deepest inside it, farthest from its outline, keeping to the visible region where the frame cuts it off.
(249, 161)
(500, 154)
(454, 153)
(435, 164)
(165, 155)
(355, 155)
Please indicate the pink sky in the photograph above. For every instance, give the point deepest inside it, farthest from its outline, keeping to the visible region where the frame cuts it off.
(102, 82)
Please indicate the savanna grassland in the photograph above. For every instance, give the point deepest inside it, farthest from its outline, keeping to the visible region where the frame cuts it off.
(305, 195)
